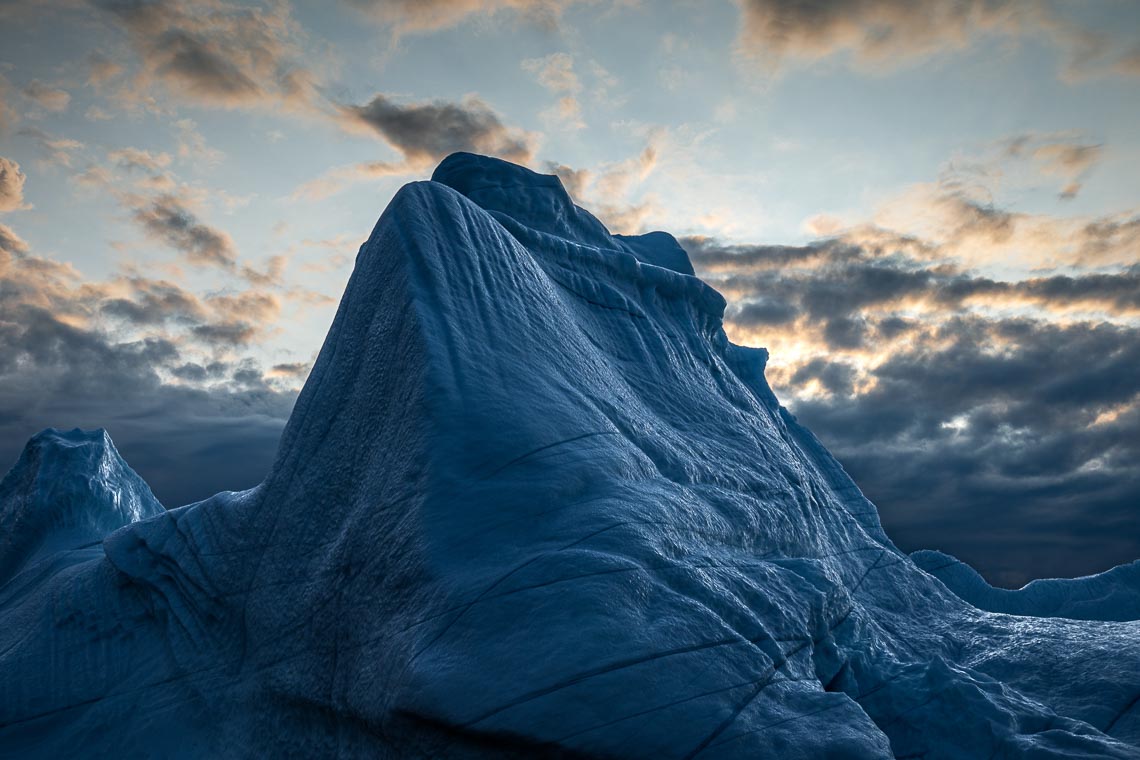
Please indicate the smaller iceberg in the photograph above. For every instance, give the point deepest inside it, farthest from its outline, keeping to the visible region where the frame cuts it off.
(67, 491)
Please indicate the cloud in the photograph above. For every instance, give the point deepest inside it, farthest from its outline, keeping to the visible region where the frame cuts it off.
(871, 29)
(426, 132)
(556, 73)
(409, 16)
(168, 220)
(291, 370)
(153, 303)
(336, 179)
(135, 158)
(143, 359)
(192, 145)
(959, 216)
(49, 98)
(892, 33)
(423, 133)
(1067, 159)
(1110, 239)
(168, 211)
(217, 54)
(1129, 64)
(56, 150)
(11, 185)
(11, 245)
(101, 70)
(1064, 156)
(217, 321)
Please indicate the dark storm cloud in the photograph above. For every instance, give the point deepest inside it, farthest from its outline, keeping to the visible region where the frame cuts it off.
(845, 332)
(1010, 441)
(426, 132)
(152, 312)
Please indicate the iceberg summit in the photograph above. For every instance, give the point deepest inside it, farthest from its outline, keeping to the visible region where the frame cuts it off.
(531, 503)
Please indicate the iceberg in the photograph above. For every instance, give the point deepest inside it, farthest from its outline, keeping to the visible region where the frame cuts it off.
(532, 502)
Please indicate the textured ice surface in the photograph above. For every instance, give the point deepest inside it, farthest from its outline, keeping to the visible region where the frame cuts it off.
(532, 501)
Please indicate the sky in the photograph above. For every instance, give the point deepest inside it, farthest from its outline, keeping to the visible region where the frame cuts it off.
(928, 213)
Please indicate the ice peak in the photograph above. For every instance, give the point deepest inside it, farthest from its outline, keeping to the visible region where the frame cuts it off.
(69, 487)
(539, 202)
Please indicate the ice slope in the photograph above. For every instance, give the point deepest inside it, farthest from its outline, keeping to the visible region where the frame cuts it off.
(1111, 595)
(531, 501)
